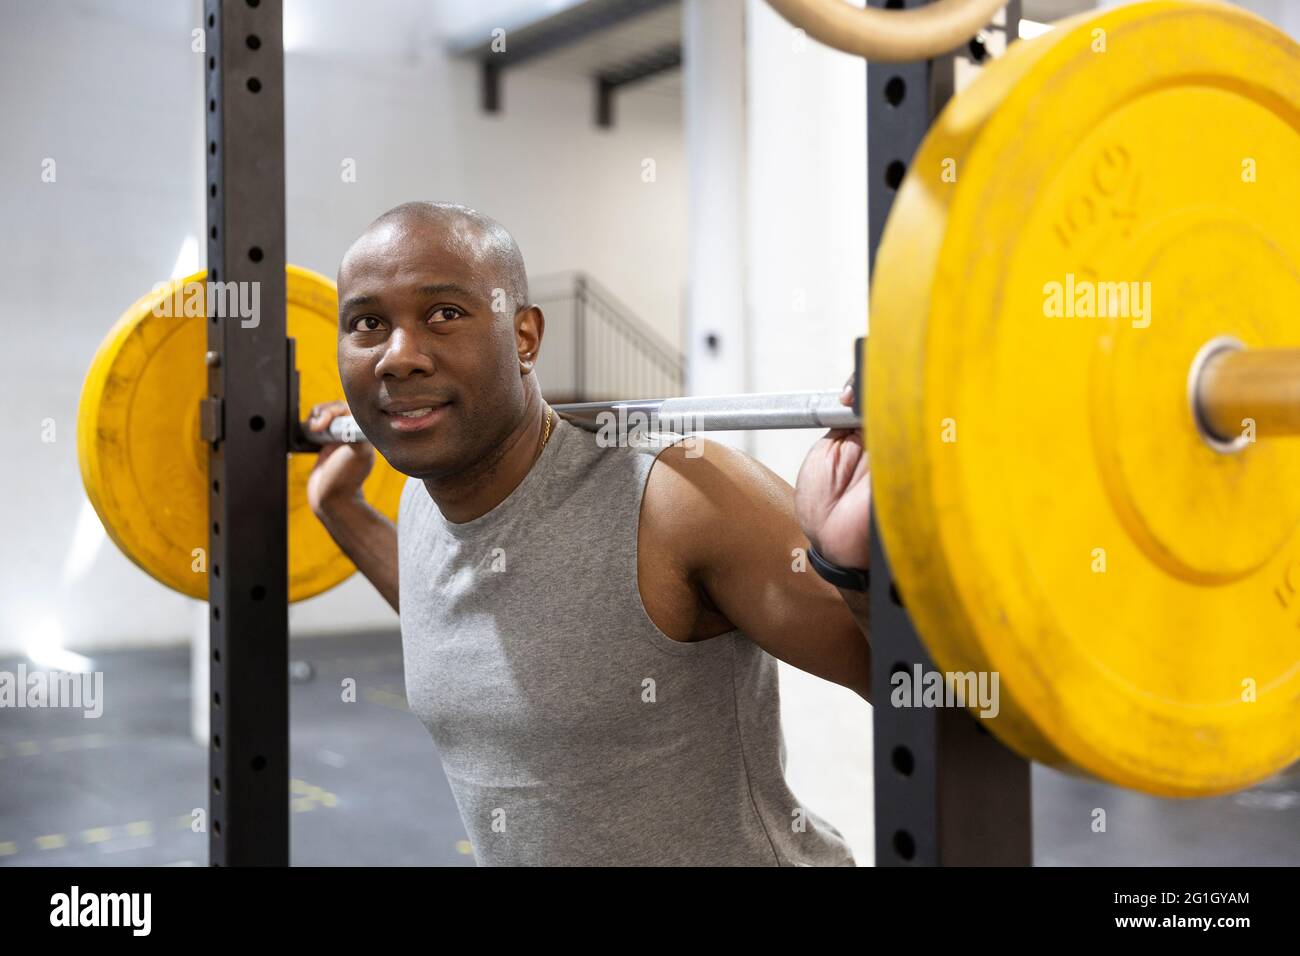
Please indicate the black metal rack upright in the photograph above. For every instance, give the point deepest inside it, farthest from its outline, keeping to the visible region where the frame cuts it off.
(946, 792)
(246, 424)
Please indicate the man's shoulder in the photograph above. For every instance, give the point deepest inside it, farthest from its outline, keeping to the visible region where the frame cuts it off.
(696, 466)
(698, 490)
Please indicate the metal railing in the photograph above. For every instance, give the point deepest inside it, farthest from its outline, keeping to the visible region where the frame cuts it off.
(596, 349)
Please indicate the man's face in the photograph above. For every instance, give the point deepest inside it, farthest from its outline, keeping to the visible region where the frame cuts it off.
(417, 335)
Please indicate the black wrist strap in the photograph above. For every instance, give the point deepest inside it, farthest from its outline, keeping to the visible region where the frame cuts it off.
(850, 579)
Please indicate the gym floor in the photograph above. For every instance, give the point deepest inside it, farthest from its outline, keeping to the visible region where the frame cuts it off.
(367, 788)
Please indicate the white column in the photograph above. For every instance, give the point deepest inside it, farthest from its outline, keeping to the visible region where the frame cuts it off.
(200, 659)
(200, 674)
(713, 41)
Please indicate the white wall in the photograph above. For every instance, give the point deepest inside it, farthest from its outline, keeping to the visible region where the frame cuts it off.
(112, 92)
(807, 301)
(572, 195)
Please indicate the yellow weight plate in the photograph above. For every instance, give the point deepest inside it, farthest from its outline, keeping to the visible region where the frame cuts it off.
(144, 466)
(1046, 502)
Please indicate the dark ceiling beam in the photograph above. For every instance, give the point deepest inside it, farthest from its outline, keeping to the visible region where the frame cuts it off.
(545, 36)
(611, 79)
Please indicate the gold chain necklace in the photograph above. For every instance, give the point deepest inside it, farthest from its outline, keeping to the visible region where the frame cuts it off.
(546, 435)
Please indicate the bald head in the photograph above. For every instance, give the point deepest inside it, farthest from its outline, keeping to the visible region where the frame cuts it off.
(434, 314)
(467, 232)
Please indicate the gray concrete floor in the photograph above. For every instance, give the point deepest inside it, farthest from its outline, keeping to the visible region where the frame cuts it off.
(368, 788)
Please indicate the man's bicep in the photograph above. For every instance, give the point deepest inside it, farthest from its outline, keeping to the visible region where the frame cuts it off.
(749, 554)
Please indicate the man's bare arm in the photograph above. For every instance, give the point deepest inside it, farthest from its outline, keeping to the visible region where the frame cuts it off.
(857, 603)
(734, 525)
(369, 540)
(334, 492)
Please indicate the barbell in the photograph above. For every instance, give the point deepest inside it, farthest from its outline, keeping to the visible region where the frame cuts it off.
(703, 413)
(1228, 389)
(1082, 387)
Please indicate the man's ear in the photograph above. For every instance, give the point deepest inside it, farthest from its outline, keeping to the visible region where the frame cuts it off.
(530, 326)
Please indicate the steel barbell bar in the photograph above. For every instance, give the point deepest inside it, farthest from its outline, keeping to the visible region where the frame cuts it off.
(703, 413)
(1227, 384)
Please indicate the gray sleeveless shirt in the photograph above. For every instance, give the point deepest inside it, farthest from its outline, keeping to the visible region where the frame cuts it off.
(571, 729)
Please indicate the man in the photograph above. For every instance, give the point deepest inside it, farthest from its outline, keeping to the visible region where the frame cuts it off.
(588, 632)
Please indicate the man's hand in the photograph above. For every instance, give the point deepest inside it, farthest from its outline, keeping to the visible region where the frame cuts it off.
(334, 493)
(341, 467)
(833, 495)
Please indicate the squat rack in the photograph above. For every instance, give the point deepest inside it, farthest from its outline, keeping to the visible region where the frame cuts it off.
(946, 792)
(246, 423)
